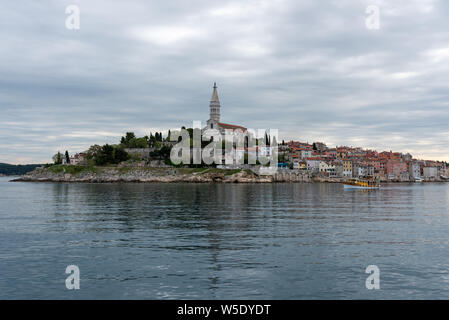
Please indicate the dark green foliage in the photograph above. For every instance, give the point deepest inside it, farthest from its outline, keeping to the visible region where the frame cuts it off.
(57, 158)
(108, 154)
(105, 155)
(161, 154)
(130, 141)
(11, 169)
(67, 157)
(154, 139)
(130, 136)
(120, 155)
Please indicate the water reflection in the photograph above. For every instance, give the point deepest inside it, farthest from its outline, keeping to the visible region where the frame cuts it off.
(223, 241)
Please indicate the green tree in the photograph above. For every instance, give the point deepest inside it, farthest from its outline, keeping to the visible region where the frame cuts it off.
(119, 155)
(152, 140)
(93, 152)
(67, 157)
(161, 154)
(105, 156)
(129, 136)
(57, 158)
(128, 139)
(131, 141)
(110, 155)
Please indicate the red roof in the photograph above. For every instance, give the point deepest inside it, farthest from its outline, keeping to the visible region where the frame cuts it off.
(231, 126)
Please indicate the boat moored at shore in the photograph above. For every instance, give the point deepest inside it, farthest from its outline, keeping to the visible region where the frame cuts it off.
(361, 184)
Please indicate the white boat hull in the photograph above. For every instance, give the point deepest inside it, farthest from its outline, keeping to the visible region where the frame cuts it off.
(350, 186)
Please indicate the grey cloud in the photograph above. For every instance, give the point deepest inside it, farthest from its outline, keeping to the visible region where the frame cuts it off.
(309, 68)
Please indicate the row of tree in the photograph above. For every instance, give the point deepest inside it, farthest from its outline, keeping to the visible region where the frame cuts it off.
(58, 157)
(131, 141)
(107, 154)
(11, 169)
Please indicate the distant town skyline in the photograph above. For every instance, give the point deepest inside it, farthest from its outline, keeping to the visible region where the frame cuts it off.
(315, 71)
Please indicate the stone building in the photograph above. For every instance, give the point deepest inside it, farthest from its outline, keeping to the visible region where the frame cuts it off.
(214, 118)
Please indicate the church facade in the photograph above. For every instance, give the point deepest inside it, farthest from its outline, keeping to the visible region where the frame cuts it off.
(214, 117)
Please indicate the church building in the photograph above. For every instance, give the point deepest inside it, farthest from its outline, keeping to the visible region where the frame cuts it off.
(214, 119)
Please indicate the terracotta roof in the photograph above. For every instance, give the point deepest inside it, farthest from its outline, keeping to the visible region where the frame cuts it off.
(231, 126)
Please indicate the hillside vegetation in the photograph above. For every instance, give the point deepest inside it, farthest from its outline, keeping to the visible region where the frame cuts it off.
(13, 170)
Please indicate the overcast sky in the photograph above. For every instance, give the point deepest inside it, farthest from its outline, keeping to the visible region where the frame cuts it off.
(311, 69)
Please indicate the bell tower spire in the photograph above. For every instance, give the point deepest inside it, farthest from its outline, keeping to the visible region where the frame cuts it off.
(214, 105)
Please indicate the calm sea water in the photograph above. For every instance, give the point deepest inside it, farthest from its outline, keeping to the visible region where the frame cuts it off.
(217, 241)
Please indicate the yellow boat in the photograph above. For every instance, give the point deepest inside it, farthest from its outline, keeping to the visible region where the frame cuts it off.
(361, 184)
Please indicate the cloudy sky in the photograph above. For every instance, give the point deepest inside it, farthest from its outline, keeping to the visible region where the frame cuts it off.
(312, 69)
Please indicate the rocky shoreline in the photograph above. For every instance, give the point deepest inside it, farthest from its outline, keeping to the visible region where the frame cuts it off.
(145, 174)
(142, 174)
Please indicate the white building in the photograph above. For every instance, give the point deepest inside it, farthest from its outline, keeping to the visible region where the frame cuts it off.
(77, 158)
(330, 169)
(430, 172)
(313, 164)
(414, 170)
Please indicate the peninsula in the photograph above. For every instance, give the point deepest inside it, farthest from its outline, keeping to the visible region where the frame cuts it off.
(149, 159)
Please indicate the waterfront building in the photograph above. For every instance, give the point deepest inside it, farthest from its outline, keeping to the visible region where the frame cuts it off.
(327, 169)
(395, 166)
(299, 164)
(414, 170)
(365, 171)
(347, 168)
(324, 167)
(430, 173)
(404, 176)
(441, 169)
(313, 164)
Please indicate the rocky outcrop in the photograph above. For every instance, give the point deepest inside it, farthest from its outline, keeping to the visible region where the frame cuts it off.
(141, 174)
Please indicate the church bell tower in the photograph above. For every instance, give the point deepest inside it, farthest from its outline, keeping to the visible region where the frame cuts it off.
(214, 105)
